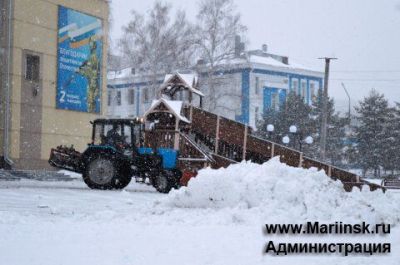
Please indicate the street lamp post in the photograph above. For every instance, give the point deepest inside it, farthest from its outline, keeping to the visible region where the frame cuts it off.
(270, 130)
(293, 130)
(297, 135)
(286, 140)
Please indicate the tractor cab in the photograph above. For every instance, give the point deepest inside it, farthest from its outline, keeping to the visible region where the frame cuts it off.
(123, 135)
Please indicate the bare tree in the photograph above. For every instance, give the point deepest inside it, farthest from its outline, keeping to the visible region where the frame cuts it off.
(218, 23)
(157, 44)
(113, 61)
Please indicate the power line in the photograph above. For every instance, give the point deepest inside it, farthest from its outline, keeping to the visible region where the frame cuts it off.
(366, 71)
(366, 86)
(365, 80)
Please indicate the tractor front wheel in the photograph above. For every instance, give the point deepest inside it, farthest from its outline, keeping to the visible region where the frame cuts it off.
(163, 183)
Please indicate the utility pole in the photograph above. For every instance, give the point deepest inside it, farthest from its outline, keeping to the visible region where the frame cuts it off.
(325, 108)
(347, 93)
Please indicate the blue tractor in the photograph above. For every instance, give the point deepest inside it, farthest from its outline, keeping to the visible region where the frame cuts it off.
(116, 154)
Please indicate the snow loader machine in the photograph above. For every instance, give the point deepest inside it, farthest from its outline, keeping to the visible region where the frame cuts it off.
(174, 140)
(116, 154)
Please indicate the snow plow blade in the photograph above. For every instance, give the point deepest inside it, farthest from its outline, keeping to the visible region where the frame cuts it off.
(66, 158)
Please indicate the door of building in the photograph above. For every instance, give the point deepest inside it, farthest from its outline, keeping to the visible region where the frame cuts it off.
(31, 111)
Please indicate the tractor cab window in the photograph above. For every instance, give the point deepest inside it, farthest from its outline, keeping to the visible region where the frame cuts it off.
(108, 128)
(113, 134)
(136, 135)
(128, 134)
(98, 133)
(117, 134)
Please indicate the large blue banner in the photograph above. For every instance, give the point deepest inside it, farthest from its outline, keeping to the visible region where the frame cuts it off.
(79, 61)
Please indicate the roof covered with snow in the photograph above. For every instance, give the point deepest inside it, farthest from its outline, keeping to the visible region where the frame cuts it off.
(267, 61)
(188, 80)
(174, 106)
(123, 73)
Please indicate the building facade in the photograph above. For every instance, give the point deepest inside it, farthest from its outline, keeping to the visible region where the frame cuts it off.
(53, 73)
(130, 94)
(243, 89)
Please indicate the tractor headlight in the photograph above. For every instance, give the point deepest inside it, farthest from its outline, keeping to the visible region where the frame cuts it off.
(128, 153)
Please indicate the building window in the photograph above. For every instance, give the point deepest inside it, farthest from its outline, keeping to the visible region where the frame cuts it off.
(312, 91)
(145, 95)
(257, 87)
(32, 68)
(256, 115)
(275, 101)
(119, 97)
(303, 89)
(109, 98)
(131, 96)
(294, 85)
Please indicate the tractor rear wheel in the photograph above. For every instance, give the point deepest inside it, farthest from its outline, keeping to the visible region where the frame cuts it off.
(122, 181)
(102, 173)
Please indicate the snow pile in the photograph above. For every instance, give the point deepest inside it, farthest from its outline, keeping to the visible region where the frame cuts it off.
(284, 194)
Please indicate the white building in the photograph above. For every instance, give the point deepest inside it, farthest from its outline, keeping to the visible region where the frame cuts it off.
(129, 94)
(246, 87)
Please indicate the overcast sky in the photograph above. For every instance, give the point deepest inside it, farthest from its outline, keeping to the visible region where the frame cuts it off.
(363, 34)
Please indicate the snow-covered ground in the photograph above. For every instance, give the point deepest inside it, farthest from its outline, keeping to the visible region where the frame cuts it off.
(217, 219)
